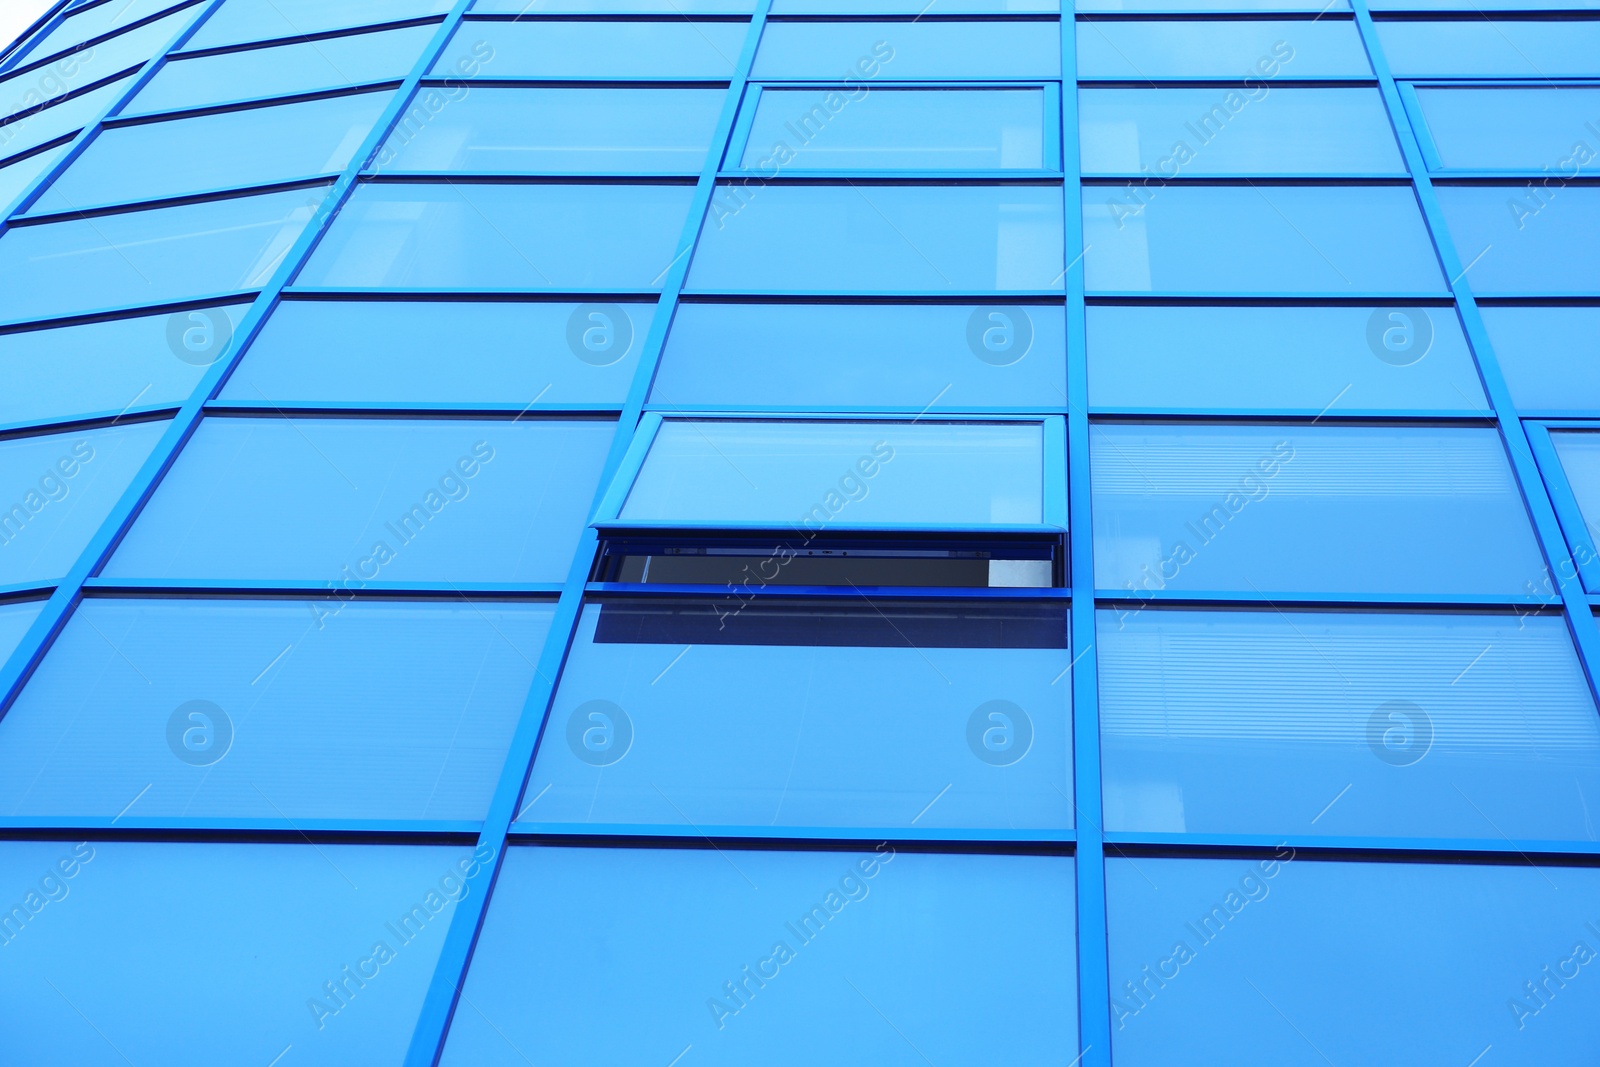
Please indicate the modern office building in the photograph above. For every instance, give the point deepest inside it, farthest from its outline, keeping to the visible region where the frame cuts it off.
(677, 533)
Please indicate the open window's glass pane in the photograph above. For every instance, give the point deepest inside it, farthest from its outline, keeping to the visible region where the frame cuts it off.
(867, 52)
(1513, 128)
(1255, 50)
(1549, 355)
(1488, 48)
(553, 48)
(239, 21)
(1517, 242)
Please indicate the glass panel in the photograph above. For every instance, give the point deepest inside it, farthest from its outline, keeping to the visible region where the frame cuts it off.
(55, 491)
(1550, 356)
(1258, 239)
(456, 353)
(898, 129)
(257, 73)
(912, 7)
(1290, 360)
(813, 474)
(78, 69)
(17, 177)
(1316, 951)
(1516, 240)
(616, 237)
(256, 146)
(350, 501)
(820, 356)
(551, 49)
(853, 238)
(1262, 510)
(1250, 130)
(15, 618)
(34, 128)
(208, 705)
(614, 7)
(239, 21)
(1579, 452)
(1459, 726)
(1482, 48)
(554, 131)
(714, 943)
(1255, 49)
(1532, 128)
(113, 365)
(106, 18)
(652, 725)
(310, 918)
(1213, 5)
(899, 51)
(1479, 5)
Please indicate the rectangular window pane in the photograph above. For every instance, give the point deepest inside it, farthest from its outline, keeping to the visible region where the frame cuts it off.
(899, 129)
(76, 70)
(1458, 726)
(1255, 49)
(905, 51)
(150, 256)
(239, 21)
(823, 356)
(103, 19)
(256, 146)
(1549, 355)
(1543, 128)
(913, 7)
(553, 131)
(548, 48)
(1252, 130)
(970, 699)
(15, 618)
(830, 238)
(55, 491)
(1265, 510)
(454, 353)
(1161, 6)
(1258, 239)
(693, 915)
(461, 235)
(816, 473)
(30, 129)
(16, 177)
(613, 7)
(1579, 452)
(1519, 241)
(170, 695)
(1482, 48)
(1288, 360)
(344, 502)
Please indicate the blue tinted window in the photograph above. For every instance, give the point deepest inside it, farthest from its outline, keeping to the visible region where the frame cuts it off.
(971, 700)
(1284, 239)
(841, 473)
(1549, 355)
(1293, 360)
(1291, 508)
(1459, 726)
(302, 914)
(865, 356)
(463, 354)
(842, 238)
(1213, 5)
(55, 491)
(694, 916)
(18, 176)
(572, 49)
(1579, 452)
(866, 52)
(1506, 128)
(502, 236)
(239, 21)
(1259, 50)
(1483, 48)
(210, 704)
(1516, 240)
(15, 618)
(899, 129)
(74, 71)
(108, 366)
(145, 257)
(1302, 958)
(553, 131)
(257, 73)
(34, 128)
(346, 502)
(107, 18)
(912, 7)
(256, 146)
(614, 7)
(1252, 130)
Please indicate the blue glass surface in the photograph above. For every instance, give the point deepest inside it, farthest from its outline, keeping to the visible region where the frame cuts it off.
(344, 502)
(15, 618)
(912, 7)
(459, 235)
(683, 714)
(843, 473)
(854, 930)
(861, 53)
(150, 256)
(271, 709)
(541, 48)
(460, 353)
(1514, 128)
(1274, 509)
(1289, 360)
(483, 130)
(1488, 48)
(1220, 6)
(74, 71)
(1550, 356)
(1257, 239)
(63, 116)
(1256, 51)
(864, 356)
(55, 491)
(898, 129)
(614, 7)
(1346, 724)
(1579, 452)
(257, 935)
(1303, 959)
(834, 238)
(239, 21)
(255, 146)
(102, 19)
(19, 175)
(1515, 239)
(1222, 130)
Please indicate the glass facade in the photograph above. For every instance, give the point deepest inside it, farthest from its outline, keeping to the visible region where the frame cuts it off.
(789, 531)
